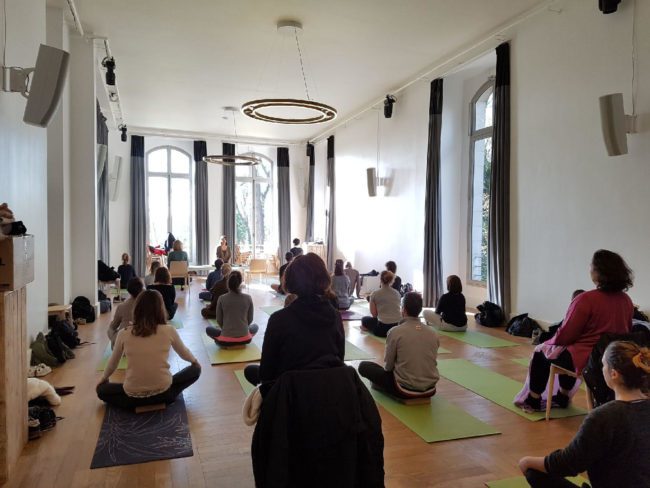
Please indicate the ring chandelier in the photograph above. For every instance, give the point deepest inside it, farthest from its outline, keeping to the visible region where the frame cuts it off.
(232, 160)
(254, 110)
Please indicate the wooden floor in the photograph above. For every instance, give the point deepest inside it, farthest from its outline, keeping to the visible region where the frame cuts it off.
(221, 441)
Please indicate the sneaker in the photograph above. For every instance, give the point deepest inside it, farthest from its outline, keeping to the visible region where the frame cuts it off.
(560, 400)
(38, 371)
(532, 404)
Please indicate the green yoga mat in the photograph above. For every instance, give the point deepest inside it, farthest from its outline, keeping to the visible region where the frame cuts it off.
(520, 482)
(495, 387)
(353, 353)
(271, 309)
(526, 361)
(441, 350)
(477, 339)
(107, 354)
(243, 382)
(219, 355)
(435, 422)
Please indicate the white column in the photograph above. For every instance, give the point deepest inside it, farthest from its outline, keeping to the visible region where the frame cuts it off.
(58, 176)
(83, 170)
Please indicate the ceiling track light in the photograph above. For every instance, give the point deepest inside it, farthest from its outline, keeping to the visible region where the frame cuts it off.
(389, 101)
(109, 64)
(122, 129)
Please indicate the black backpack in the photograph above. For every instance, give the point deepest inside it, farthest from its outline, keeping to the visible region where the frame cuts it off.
(522, 326)
(489, 315)
(105, 273)
(82, 309)
(66, 332)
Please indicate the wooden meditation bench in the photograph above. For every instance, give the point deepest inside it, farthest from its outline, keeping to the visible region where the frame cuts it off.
(150, 408)
(405, 401)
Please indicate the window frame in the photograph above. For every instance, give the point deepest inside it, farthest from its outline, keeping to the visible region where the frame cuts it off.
(475, 135)
(169, 175)
(253, 179)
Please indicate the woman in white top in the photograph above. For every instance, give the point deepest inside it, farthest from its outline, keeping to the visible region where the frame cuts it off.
(385, 307)
(146, 346)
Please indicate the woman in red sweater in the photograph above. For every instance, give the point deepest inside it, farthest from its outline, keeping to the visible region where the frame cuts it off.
(607, 309)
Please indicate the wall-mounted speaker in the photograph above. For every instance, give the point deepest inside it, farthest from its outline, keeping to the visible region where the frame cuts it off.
(47, 85)
(614, 124)
(371, 175)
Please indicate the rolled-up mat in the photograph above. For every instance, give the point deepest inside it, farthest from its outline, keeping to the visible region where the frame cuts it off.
(495, 387)
(133, 438)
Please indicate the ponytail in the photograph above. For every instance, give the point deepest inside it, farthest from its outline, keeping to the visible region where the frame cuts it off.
(234, 281)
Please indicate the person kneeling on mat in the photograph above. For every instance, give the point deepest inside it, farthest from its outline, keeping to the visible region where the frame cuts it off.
(235, 315)
(411, 357)
(146, 345)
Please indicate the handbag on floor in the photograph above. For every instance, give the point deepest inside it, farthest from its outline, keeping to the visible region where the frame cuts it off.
(522, 326)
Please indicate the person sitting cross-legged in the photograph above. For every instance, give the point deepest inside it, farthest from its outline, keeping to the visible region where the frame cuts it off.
(219, 288)
(211, 280)
(278, 287)
(341, 286)
(450, 311)
(411, 357)
(384, 307)
(163, 285)
(234, 314)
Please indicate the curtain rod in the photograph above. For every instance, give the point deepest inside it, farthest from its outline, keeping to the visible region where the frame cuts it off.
(176, 134)
(441, 68)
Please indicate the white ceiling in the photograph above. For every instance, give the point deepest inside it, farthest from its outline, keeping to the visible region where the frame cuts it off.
(180, 62)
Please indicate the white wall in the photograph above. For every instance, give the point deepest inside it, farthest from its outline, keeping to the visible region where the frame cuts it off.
(23, 153)
(571, 198)
(118, 209)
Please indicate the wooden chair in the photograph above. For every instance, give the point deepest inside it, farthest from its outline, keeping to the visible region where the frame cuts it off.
(257, 266)
(555, 370)
(180, 269)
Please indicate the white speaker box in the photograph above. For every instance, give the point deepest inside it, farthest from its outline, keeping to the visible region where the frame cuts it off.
(613, 123)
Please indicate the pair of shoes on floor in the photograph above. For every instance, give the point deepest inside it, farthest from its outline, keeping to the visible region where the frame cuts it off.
(532, 404)
(38, 371)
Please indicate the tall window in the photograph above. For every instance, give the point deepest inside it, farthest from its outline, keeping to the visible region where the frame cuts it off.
(169, 195)
(479, 192)
(254, 222)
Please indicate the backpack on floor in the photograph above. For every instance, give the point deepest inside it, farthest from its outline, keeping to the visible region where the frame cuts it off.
(489, 315)
(41, 352)
(105, 273)
(82, 309)
(522, 326)
(66, 332)
(60, 351)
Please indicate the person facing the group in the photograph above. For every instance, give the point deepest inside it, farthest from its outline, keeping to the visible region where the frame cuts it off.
(397, 281)
(146, 345)
(277, 287)
(124, 312)
(150, 279)
(213, 277)
(411, 367)
(219, 288)
(296, 250)
(308, 334)
(341, 286)
(450, 310)
(605, 310)
(613, 443)
(385, 309)
(163, 285)
(234, 314)
(223, 251)
(355, 280)
(126, 271)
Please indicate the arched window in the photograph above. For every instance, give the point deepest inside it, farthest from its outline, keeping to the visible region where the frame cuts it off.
(169, 195)
(480, 163)
(254, 215)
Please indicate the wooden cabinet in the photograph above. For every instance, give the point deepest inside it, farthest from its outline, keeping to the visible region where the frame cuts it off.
(13, 379)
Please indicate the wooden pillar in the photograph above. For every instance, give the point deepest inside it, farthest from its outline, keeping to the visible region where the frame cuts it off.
(13, 379)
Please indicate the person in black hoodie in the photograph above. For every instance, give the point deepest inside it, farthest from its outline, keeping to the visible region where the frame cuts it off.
(307, 332)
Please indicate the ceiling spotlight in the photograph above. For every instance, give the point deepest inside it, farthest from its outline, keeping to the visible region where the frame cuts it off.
(109, 64)
(608, 6)
(388, 106)
(112, 96)
(122, 129)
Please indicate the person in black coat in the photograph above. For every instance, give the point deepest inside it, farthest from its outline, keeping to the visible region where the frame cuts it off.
(306, 331)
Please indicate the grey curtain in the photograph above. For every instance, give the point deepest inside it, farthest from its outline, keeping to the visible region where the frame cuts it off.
(499, 227)
(229, 198)
(138, 220)
(103, 237)
(331, 211)
(433, 287)
(201, 202)
(309, 231)
(284, 201)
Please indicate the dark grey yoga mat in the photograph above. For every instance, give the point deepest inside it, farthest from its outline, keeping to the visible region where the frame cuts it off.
(132, 438)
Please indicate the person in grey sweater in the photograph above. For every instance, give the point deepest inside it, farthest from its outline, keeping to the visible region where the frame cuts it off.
(234, 315)
(613, 443)
(411, 357)
(341, 286)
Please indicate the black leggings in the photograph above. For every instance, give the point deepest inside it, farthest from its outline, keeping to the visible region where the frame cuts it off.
(384, 380)
(540, 368)
(537, 479)
(376, 327)
(114, 394)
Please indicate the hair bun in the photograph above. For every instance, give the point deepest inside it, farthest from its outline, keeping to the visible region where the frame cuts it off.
(642, 359)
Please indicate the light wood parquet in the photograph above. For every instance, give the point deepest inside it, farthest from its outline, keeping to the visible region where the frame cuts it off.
(221, 441)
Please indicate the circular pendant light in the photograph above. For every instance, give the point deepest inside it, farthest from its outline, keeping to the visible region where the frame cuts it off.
(254, 109)
(232, 160)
